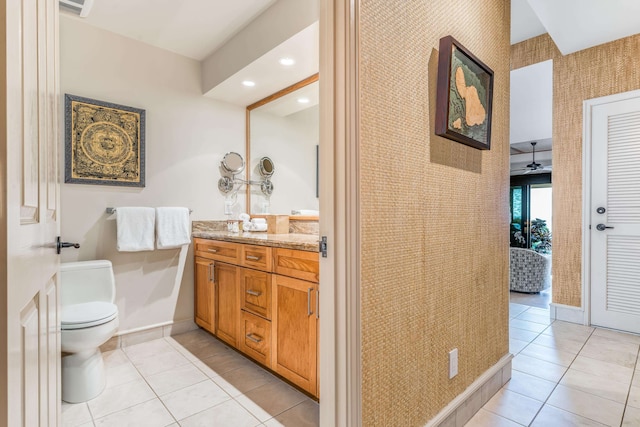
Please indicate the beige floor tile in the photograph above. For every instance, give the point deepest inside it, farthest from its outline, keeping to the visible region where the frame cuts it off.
(226, 361)
(514, 406)
(549, 354)
(484, 418)
(530, 316)
(89, 424)
(569, 331)
(147, 349)
(148, 414)
(636, 378)
(564, 344)
(199, 343)
(552, 416)
(530, 386)
(621, 353)
(75, 414)
(516, 309)
(121, 374)
(227, 414)
(270, 400)
(114, 358)
(587, 405)
(516, 346)
(193, 399)
(597, 385)
(608, 370)
(538, 368)
(522, 335)
(161, 362)
(541, 311)
(244, 379)
(175, 379)
(631, 417)
(120, 397)
(306, 414)
(619, 336)
(634, 397)
(527, 326)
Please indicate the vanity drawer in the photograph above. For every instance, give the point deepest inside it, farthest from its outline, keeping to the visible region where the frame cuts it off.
(258, 257)
(256, 338)
(220, 251)
(299, 264)
(256, 292)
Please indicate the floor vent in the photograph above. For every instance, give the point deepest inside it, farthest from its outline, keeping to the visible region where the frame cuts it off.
(77, 7)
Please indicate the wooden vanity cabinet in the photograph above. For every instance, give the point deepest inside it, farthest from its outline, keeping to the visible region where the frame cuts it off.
(295, 320)
(264, 302)
(204, 306)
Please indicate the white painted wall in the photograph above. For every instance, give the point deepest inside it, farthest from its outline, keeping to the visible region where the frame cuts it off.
(531, 102)
(186, 137)
(291, 143)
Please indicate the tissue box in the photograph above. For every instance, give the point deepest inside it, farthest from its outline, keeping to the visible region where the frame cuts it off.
(277, 224)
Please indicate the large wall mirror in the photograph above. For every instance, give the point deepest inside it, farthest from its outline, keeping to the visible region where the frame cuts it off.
(285, 127)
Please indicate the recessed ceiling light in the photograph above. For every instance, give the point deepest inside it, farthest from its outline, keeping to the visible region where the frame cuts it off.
(287, 62)
(248, 83)
(303, 100)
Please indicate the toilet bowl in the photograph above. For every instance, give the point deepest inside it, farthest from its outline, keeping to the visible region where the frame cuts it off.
(89, 318)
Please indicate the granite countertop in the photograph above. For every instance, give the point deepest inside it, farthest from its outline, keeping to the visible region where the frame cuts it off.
(303, 242)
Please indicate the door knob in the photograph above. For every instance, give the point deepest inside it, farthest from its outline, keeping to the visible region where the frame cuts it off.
(601, 210)
(602, 227)
(60, 245)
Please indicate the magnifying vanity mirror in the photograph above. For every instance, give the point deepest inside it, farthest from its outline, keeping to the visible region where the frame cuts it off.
(232, 163)
(283, 129)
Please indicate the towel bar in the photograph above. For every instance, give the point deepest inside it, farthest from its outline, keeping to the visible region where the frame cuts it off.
(113, 210)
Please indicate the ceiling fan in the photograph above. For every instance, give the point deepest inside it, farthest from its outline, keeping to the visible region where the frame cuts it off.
(533, 166)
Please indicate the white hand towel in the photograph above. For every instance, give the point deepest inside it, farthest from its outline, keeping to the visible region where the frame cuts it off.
(172, 227)
(135, 229)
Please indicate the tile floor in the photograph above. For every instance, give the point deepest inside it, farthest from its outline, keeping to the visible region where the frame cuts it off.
(565, 375)
(190, 380)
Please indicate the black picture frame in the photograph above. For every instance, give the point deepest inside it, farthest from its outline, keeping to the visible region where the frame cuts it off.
(104, 143)
(464, 96)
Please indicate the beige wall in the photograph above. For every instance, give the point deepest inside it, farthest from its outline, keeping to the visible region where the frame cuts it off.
(186, 136)
(602, 70)
(434, 213)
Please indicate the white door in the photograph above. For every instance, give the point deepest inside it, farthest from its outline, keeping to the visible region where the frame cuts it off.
(29, 120)
(615, 212)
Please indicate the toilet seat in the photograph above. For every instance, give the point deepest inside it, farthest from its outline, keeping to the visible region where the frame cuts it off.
(87, 314)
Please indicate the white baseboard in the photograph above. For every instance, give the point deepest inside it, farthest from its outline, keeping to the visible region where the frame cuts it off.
(148, 333)
(465, 405)
(568, 313)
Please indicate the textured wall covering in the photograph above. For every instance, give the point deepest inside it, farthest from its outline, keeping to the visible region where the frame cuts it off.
(434, 213)
(602, 70)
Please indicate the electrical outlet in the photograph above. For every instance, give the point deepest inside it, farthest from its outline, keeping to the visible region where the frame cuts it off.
(453, 363)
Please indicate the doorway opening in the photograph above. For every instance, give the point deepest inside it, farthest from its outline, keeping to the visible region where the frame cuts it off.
(531, 240)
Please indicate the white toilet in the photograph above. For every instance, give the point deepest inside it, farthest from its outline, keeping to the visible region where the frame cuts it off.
(89, 318)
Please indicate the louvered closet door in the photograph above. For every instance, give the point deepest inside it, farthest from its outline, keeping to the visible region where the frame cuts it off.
(615, 251)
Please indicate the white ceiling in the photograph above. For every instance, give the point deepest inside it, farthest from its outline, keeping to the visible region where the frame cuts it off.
(267, 72)
(192, 28)
(574, 24)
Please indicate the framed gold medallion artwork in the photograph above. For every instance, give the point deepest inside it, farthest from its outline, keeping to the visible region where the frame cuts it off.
(464, 96)
(104, 143)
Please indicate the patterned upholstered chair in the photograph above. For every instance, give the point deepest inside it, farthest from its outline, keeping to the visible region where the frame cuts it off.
(529, 271)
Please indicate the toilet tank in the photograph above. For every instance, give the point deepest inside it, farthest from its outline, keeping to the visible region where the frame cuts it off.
(86, 281)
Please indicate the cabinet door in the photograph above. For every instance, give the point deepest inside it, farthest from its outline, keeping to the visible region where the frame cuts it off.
(227, 302)
(204, 295)
(295, 326)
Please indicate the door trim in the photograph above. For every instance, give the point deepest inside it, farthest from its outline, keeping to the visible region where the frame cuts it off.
(588, 106)
(340, 362)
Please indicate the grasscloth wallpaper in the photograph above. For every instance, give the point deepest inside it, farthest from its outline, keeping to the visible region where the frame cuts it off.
(602, 70)
(434, 213)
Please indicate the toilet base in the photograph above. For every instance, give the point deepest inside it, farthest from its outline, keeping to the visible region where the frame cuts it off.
(83, 376)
